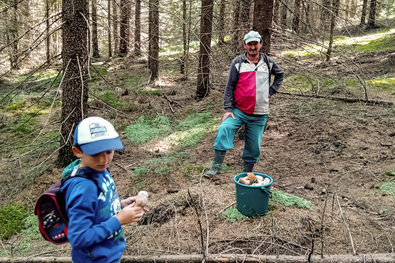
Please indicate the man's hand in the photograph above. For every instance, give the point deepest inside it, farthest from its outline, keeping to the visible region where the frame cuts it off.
(227, 115)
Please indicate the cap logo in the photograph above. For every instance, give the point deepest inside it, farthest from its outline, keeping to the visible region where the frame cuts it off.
(97, 131)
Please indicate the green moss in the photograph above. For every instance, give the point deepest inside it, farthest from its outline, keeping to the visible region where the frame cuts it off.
(12, 220)
(29, 234)
(232, 214)
(388, 187)
(290, 200)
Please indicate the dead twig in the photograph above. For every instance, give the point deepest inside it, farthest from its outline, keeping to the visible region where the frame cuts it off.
(199, 222)
(226, 207)
(348, 228)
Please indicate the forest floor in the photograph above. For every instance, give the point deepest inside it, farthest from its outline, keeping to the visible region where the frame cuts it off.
(334, 153)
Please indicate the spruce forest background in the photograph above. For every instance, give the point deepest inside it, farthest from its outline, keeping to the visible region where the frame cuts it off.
(157, 70)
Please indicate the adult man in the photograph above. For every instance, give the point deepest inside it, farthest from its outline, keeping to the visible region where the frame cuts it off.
(246, 101)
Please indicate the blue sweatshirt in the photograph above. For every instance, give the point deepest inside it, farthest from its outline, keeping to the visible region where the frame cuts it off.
(95, 234)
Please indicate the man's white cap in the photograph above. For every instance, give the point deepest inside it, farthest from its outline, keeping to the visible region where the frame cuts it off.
(95, 135)
(252, 36)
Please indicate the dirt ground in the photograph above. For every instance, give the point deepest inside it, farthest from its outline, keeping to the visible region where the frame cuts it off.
(332, 153)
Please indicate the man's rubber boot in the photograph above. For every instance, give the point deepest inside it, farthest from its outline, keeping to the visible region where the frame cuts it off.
(248, 167)
(217, 164)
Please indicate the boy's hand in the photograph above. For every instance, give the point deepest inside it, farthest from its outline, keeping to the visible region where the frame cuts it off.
(127, 201)
(131, 214)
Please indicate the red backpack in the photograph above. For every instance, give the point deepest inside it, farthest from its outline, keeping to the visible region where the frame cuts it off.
(51, 212)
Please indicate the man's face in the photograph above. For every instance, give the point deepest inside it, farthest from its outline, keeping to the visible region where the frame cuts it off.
(253, 48)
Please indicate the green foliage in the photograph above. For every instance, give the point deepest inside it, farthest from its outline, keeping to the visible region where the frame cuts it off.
(12, 219)
(232, 214)
(110, 99)
(144, 130)
(139, 185)
(388, 187)
(289, 200)
(139, 171)
(271, 207)
(390, 173)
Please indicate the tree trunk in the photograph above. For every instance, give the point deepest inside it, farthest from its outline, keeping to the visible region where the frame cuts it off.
(75, 67)
(126, 12)
(115, 25)
(184, 37)
(263, 17)
(284, 14)
(47, 38)
(363, 14)
(372, 15)
(137, 30)
(276, 13)
(325, 15)
(203, 81)
(153, 34)
(245, 17)
(95, 40)
(109, 28)
(13, 32)
(236, 23)
(221, 23)
(335, 13)
(295, 22)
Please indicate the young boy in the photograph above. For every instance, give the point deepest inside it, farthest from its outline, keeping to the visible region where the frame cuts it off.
(95, 212)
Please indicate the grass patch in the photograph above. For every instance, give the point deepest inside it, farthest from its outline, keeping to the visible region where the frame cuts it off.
(380, 41)
(144, 130)
(110, 99)
(290, 200)
(188, 131)
(300, 83)
(383, 83)
(383, 42)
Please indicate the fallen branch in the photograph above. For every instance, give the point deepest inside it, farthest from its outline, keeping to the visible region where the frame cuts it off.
(370, 102)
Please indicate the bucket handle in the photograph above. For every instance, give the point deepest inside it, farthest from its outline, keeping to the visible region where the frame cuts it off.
(266, 190)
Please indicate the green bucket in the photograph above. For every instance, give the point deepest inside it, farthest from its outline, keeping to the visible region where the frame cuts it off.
(252, 200)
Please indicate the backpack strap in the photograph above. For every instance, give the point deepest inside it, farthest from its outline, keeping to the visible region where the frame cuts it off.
(80, 173)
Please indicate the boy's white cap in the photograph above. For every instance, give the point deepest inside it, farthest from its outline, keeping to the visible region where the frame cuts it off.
(95, 135)
(252, 36)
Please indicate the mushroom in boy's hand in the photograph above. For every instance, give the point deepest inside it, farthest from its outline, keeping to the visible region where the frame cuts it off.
(142, 199)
